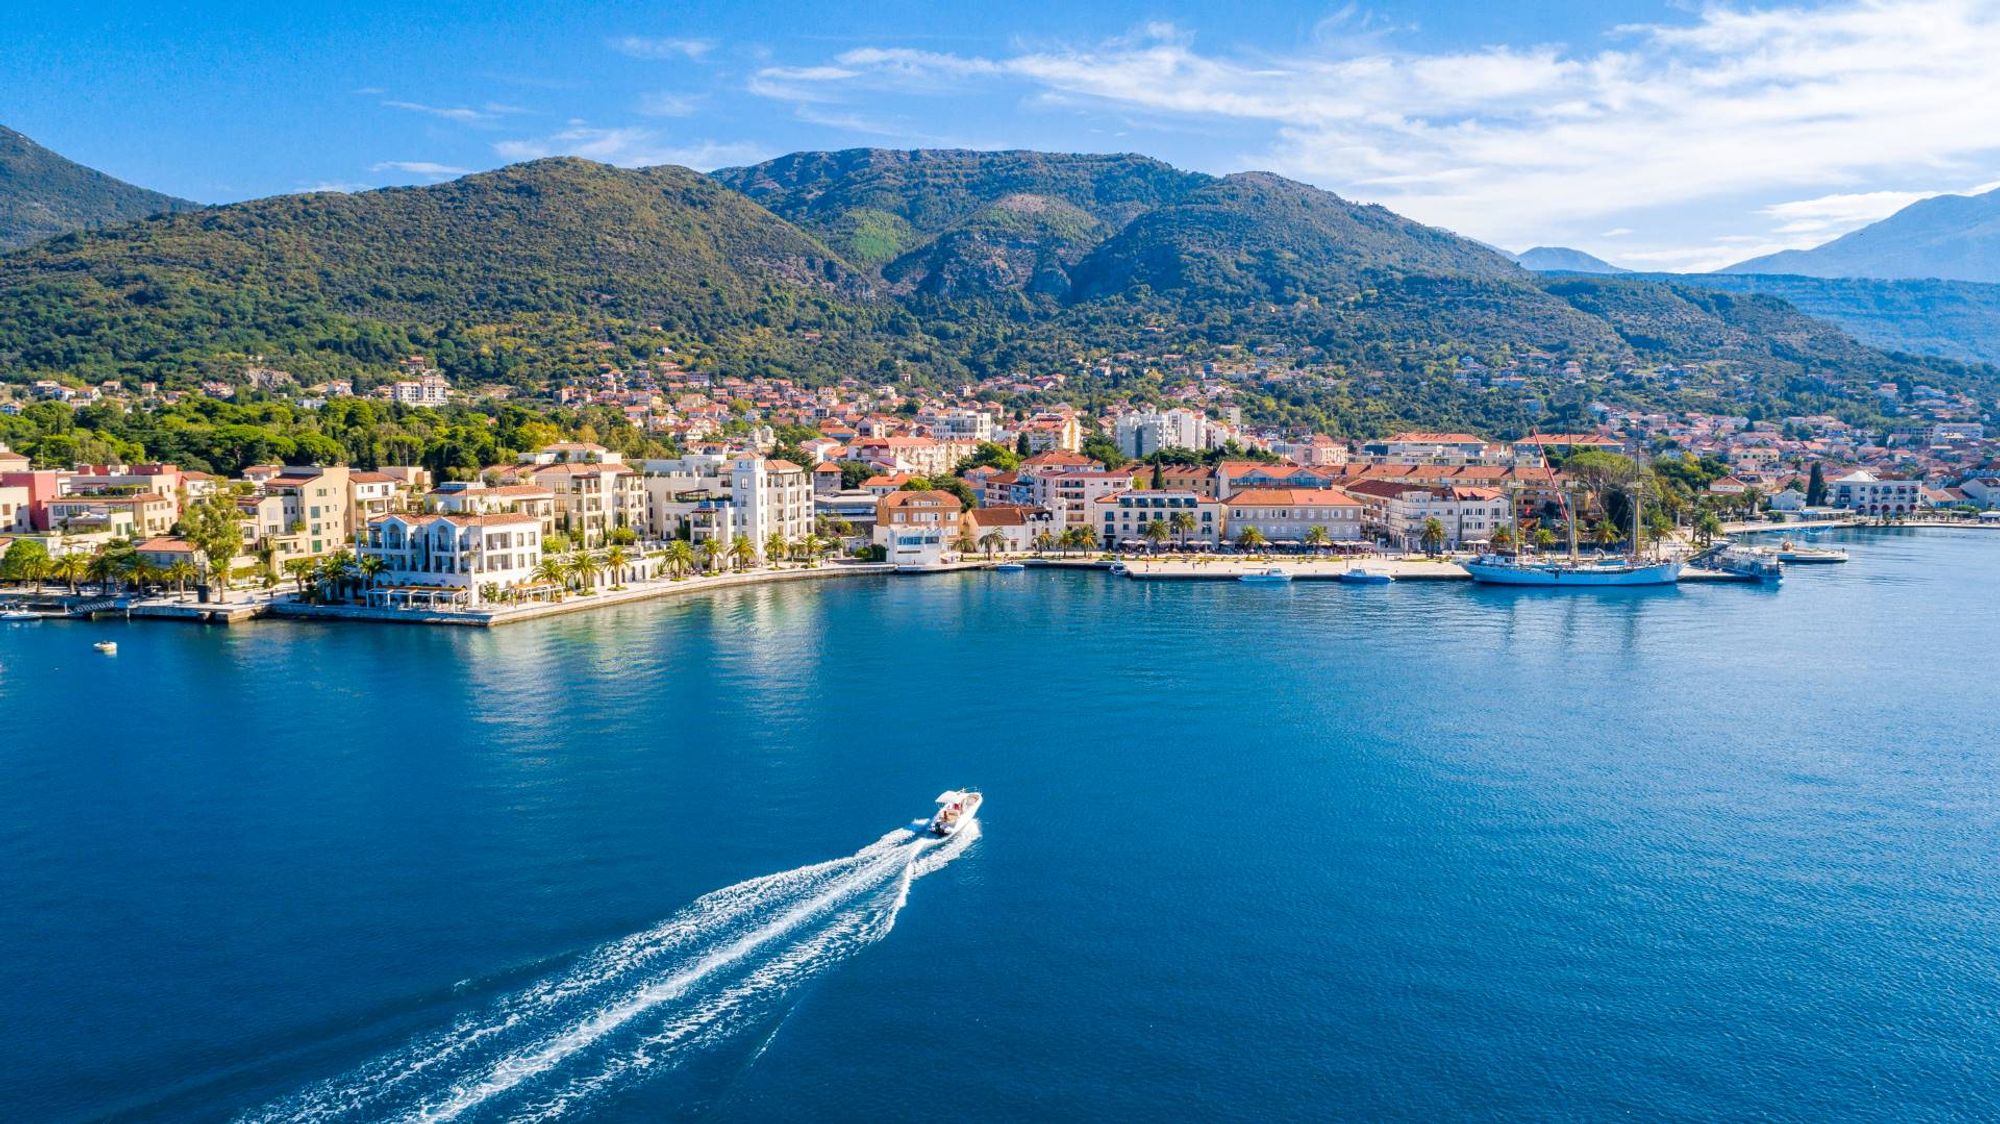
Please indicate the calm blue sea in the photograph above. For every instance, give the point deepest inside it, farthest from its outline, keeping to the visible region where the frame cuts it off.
(1414, 851)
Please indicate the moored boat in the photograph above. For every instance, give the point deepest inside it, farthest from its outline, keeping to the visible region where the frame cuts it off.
(1367, 575)
(1789, 551)
(108, 647)
(956, 808)
(1496, 569)
(20, 615)
(1745, 561)
(1273, 575)
(1009, 568)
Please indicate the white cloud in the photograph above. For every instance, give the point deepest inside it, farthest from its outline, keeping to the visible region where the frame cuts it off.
(631, 147)
(644, 47)
(460, 113)
(1729, 108)
(668, 105)
(420, 168)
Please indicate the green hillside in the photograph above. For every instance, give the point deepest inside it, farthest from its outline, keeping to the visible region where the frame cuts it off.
(43, 195)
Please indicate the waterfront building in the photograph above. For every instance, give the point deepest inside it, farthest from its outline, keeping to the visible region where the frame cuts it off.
(1865, 492)
(1016, 524)
(16, 510)
(141, 515)
(917, 529)
(1122, 518)
(452, 559)
(314, 500)
(1070, 495)
(1398, 513)
(595, 491)
(706, 496)
(1285, 515)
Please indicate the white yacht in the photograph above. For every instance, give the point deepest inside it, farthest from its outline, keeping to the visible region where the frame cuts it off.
(956, 808)
(1274, 575)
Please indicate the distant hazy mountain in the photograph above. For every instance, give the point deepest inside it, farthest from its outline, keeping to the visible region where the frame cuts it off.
(1951, 237)
(1562, 259)
(43, 195)
(1951, 319)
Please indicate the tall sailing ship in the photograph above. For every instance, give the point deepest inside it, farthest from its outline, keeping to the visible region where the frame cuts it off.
(1574, 571)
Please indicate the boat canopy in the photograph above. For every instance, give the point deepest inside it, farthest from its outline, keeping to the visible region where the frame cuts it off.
(951, 797)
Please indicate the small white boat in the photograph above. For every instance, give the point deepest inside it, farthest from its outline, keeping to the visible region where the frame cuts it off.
(1273, 575)
(956, 808)
(1009, 568)
(20, 615)
(1367, 575)
(1789, 551)
(108, 647)
(1119, 567)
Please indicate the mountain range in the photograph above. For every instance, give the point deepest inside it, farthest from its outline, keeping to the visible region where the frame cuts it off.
(43, 195)
(930, 266)
(1945, 237)
(1562, 259)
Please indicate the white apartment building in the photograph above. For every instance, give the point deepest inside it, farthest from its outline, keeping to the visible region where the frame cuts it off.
(1070, 496)
(430, 389)
(706, 496)
(1145, 432)
(457, 559)
(1399, 512)
(595, 491)
(1865, 492)
(959, 424)
(1122, 518)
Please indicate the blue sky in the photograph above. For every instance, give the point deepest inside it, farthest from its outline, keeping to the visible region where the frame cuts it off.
(1656, 135)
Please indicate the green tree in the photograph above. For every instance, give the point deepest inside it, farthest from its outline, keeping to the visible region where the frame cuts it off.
(742, 552)
(300, 570)
(1157, 533)
(27, 561)
(585, 567)
(1432, 536)
(1317, 537)
(1183, 524)
(1816, 486)
(775, 548)
(214, 526)
(990, 542)
(615, 561)
(1250, 538)
(680, 557)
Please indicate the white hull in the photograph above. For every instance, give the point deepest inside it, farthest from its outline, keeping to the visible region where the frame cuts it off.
(1564, 574)
(956, 809)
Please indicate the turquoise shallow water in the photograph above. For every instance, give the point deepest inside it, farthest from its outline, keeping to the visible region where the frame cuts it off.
(1253, 852)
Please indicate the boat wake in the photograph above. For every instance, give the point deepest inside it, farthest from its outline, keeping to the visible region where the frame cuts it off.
(641, 1006)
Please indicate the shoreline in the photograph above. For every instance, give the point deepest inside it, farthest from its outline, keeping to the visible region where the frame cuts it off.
(1140, 568)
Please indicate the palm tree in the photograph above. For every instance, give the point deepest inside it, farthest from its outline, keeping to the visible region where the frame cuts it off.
(585, 566)
(680, 557)
(811, 547)
(1503, 537)
(1544, 538)
(299, 569)
(1086, 539)
(371, 567)
(143, 574)
(181, 573)
(1157, 532)
(341, 569)
(1182, 523)
(1706, 527)
(1606, 533)
(712, 551)
(965, 544)
(1251, 538)
(743, 552)
(1432, 536)
(67, 568)
(992, 541)
(1045, 541)
(552, 571)
(615, 560)
(775, 549)
(1066, 540)
(102, 568)
(1316, 537)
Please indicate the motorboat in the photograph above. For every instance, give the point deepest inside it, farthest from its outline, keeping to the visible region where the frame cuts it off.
(1789, 551)
(1119, 568)
(956, 808)
(1367, 575)
(1009, 568)
(1745, 562)
(108, 647)
(1272, 576)
(20, 615)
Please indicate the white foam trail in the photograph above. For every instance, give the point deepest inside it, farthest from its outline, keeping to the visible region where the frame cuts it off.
(710, 971)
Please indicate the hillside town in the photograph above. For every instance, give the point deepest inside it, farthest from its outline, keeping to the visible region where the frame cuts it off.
(770, 472)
